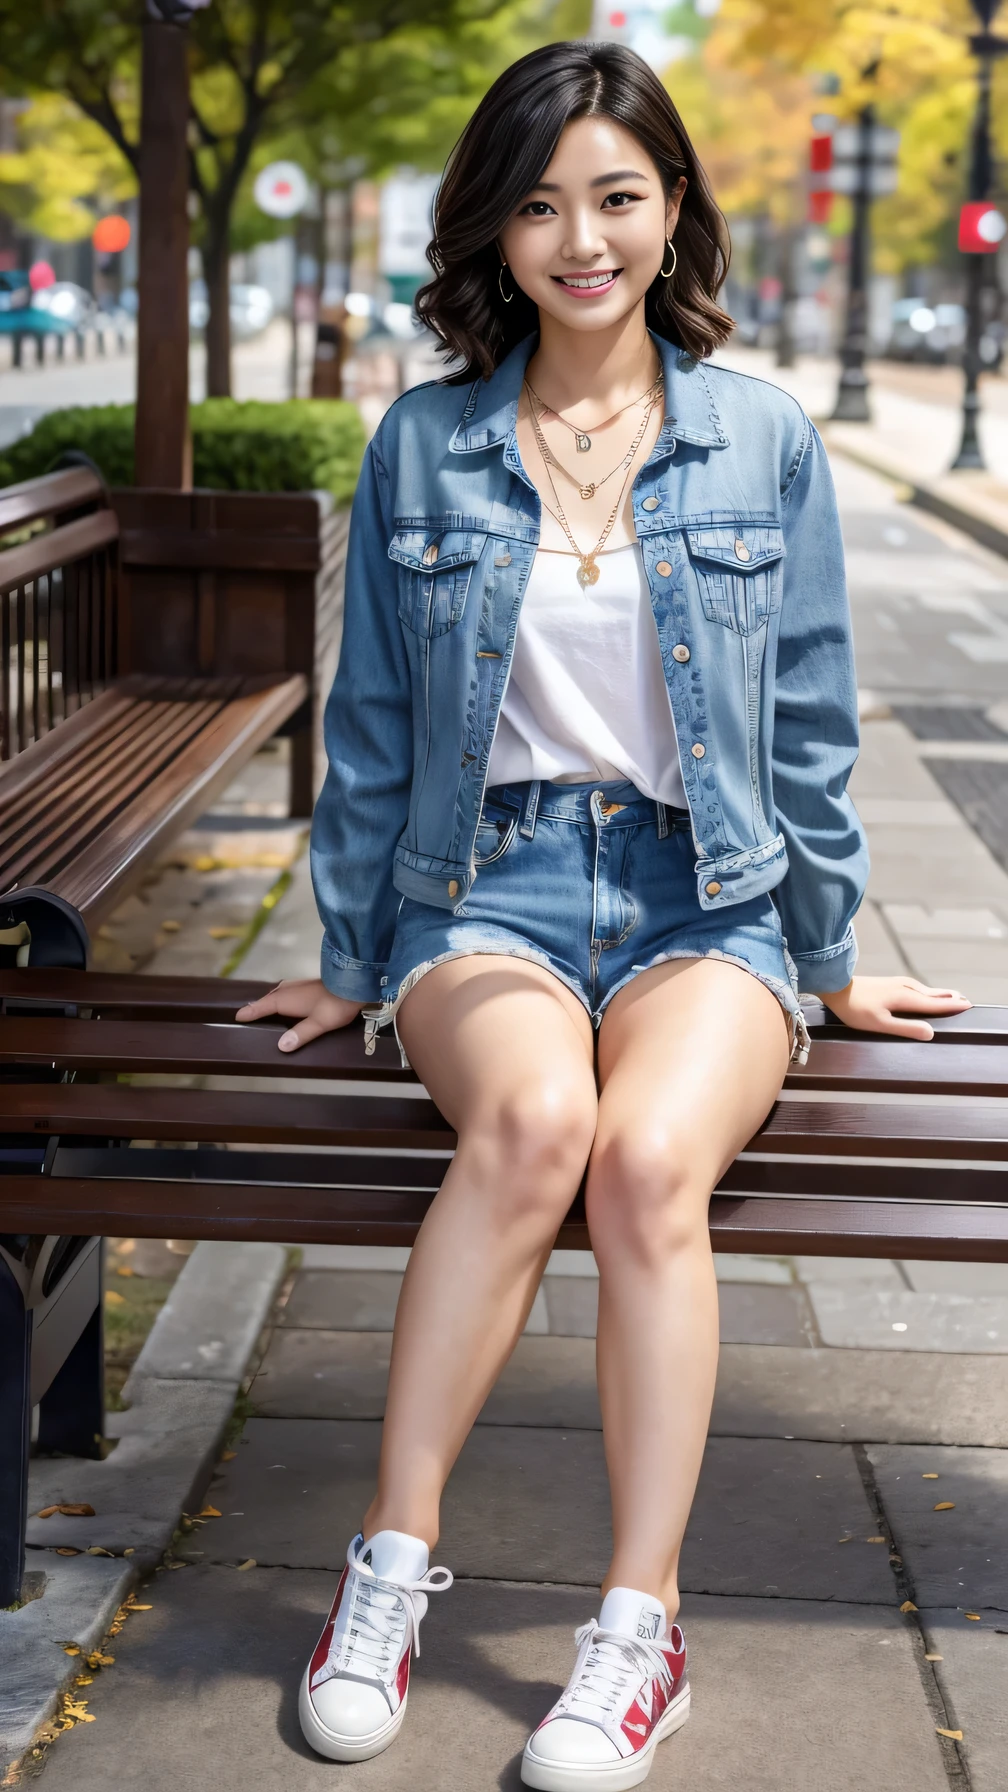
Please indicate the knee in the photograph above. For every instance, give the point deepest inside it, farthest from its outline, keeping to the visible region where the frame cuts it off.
(533, 1144)
(647, 1196)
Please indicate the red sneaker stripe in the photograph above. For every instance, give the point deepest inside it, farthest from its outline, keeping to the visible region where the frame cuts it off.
(402, 1677)
(321, 1654)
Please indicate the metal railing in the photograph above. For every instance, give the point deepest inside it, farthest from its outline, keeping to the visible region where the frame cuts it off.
(58, 602)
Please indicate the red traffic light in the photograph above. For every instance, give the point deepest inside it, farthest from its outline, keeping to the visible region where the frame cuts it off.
(821, 154)
(111, 235)
(981, 228)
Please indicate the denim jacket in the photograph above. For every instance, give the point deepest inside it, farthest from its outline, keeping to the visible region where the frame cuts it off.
(736, 517)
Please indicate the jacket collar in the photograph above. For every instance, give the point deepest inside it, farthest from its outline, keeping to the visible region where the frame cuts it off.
(691, 415)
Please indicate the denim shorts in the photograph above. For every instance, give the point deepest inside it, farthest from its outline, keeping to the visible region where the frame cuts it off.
(596, 883)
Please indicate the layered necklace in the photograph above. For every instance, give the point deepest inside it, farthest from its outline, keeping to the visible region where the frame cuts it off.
(588, 569)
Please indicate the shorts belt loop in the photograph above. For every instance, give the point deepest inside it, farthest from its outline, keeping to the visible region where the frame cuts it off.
(528, 821)
(663, 826)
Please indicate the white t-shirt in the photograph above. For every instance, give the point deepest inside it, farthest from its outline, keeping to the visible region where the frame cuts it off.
(586, 697)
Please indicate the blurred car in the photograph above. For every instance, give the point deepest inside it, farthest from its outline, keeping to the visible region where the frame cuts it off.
(55, 310)
(66, 303)
(251, 309)
(937, 334)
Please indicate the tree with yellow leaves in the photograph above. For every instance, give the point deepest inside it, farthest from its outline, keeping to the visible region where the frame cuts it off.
(64, 173)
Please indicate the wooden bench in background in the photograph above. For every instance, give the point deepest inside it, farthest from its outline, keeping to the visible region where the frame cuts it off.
(130, 697)
(892, 1149)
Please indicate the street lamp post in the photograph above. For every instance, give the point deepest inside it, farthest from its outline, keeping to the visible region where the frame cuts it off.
(985, 47)
(852, 394)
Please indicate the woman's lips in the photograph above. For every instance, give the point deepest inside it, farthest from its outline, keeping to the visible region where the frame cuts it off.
(588, 286)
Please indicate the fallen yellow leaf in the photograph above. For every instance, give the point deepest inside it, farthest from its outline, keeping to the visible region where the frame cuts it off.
(974, 1615)
(934, 1658)
(129, 1552)
(123, 1269)
(929, 1477)
(97, 1660)
(112, 1299)
(209, 1512)
(204, 863)
(71, 1648)
(249, 1564)
(908, 1606)
(945, 1506)
(953, 1735)
(66, 1551)
(141, 1608)
(228, 1455)
(225, 933)
(874, 1539)
(84, 1680)
(171, 927)
(114, 1629)
(81, 1511)
(95, 1549)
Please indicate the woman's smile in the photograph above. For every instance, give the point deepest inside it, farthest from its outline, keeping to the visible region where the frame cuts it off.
(586, 285)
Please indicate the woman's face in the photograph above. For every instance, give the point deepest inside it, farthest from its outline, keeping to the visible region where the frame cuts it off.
(588, 240)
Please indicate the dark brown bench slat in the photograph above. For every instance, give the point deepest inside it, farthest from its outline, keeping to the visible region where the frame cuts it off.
(75, 541)
(123, 1111)
(204, 549)
(58, 749)
(241, 1116)
(955, 1180)
(177, 1047)
(65, 1205)
(32, 499)
(180, 793)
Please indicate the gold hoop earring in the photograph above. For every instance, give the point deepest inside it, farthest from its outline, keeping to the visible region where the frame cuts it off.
(506, 296)
(675, 261)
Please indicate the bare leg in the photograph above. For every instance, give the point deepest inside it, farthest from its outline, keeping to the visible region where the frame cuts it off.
(505, 1050)
(691, 1057)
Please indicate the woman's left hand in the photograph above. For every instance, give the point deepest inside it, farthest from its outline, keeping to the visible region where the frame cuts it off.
(879, 1005)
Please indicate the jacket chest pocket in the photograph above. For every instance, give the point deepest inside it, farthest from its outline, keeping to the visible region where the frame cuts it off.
(435, 569)
(738, 571)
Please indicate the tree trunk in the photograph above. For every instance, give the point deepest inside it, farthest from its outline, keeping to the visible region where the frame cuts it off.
(216, 259)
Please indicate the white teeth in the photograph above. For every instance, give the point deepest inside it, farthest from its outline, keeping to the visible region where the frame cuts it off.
(587, 280)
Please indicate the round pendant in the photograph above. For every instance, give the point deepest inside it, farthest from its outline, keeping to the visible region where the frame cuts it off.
(587, 491)
(587, 572)
(583, 442)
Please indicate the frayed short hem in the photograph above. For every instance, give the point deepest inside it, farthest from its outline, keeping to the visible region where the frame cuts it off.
(386, 1014)
(797, 1030)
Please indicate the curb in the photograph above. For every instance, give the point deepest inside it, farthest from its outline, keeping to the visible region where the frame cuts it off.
(973, 511)
(182, 1390)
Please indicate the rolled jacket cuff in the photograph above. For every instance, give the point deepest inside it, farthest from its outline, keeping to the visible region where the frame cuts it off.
(830, 968)
(350, 978)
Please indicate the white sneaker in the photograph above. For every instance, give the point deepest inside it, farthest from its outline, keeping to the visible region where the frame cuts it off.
(353, 1695)
(627, 1693)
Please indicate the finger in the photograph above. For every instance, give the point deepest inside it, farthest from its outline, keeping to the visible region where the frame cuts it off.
(904, 1029)
(923, 1000)
(305, 1031)
(267, 1004)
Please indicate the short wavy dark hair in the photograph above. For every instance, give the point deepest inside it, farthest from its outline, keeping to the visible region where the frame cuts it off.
(501, 155)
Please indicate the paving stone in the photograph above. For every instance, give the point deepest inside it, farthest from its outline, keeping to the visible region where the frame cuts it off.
(774, 1685)
(736, 1266)
(762, 1390)
(78, 1602)
(751, 1314)
(209, 1324)
(957, 1558)
(877, 1270)
(354, 1256)
(905, 1396)
(168, 1443)
(572, 1305)
(533, 1504)
(889, 764)
(973, 1677)
(957, 1278)
(899, 1319)
(351, 1300)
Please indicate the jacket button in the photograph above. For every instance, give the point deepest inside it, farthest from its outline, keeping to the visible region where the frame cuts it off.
(453, 887)
(663, 568)
(430, 554)
(713, 888)
(741, 551)
(698, 750)
(650, 504)
(680, 653)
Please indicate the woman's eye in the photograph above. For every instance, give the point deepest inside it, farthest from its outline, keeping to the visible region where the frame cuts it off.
(615, 200)
(536, 208)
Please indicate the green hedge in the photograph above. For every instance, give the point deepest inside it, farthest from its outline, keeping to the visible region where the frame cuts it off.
(302, 445)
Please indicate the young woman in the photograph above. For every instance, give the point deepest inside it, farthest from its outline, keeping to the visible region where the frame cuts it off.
(584, 835)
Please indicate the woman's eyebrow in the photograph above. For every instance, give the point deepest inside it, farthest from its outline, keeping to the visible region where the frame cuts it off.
(603, 180)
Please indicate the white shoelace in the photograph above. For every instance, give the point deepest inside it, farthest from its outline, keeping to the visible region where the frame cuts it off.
(609, 1665)
(384, 1615)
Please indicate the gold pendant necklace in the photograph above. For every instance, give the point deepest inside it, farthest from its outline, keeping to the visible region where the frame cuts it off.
(588, 570)
(581, 436)
(588, 490)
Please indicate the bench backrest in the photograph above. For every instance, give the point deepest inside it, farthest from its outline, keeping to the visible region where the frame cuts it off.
(58, 602)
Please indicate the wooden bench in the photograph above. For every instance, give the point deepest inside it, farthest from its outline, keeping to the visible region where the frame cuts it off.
(887, 1148)
(98, 771)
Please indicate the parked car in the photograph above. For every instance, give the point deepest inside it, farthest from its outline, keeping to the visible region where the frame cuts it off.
(937, 334)
(251, 309)
(67, 303)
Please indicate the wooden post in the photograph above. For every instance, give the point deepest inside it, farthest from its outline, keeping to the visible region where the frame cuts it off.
(163, 443)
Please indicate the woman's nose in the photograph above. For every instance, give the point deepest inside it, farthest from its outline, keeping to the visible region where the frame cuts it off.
(585, 240)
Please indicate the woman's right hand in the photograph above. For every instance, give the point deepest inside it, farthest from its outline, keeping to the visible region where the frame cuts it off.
(309, 1003)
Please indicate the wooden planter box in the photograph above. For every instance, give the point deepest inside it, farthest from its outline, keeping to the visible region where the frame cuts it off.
(236, 584)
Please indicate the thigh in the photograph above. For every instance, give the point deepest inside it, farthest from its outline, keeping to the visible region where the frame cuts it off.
(480, 1029)
(692, 1055)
